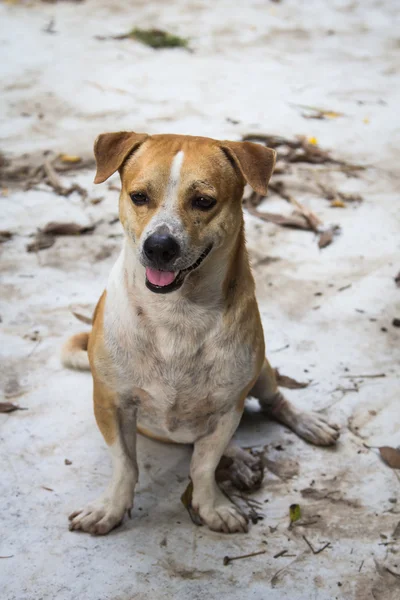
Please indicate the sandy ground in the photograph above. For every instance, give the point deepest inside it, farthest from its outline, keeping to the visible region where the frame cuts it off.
(253, 62)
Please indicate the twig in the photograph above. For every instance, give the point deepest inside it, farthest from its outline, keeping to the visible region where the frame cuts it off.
(311, 547)
(360, 567)
(52, 177)
(11, 555)
(229, 559)
(312, 219)
(283, 553)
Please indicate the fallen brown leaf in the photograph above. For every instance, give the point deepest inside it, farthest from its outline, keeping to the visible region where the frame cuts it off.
(5, 235)
(396, 532)
(294, 221)
(41, 242)
(56, 228)
(82, 318)
(288, 382)
(186, 500)
(391, 456)
(326, 238)
(67, 461)
(8, 407)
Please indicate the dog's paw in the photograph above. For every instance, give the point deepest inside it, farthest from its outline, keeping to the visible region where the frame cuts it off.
(223, 516)
(98, 518)
(315, 429)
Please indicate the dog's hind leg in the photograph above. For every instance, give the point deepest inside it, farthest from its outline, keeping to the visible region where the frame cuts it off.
(116, 418)
(308, 425)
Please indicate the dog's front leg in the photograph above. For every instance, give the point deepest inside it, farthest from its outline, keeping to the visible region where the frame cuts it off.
(116, 419)
(214, 508)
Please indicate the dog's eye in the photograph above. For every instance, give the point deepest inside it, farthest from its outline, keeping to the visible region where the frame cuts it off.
(139, 199)
(204, 203)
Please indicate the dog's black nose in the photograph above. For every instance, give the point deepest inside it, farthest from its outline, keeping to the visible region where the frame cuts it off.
(161, 249)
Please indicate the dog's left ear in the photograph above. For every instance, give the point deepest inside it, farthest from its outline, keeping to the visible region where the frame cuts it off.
(254, 162)
(111, 149)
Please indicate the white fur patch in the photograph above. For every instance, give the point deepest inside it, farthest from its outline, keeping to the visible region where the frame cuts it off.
(173, 182)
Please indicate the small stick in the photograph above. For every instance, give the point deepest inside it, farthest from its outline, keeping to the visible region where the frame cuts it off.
(52, 176)
(11, 555)
(376, 376)
(281, 553)
(228, 559)
(345, 287)
(360, 567)
(312, 549)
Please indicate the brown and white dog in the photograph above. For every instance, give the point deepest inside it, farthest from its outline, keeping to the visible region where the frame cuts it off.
(177, 342)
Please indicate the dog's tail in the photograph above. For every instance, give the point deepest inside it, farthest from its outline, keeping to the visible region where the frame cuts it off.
(74, 352)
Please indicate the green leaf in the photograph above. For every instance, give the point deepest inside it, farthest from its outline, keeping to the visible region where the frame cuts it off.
(294, 512)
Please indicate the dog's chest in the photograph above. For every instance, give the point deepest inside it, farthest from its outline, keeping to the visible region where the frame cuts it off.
(185, 367)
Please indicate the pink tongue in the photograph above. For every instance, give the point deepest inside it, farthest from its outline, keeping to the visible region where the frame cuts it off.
(160, 278)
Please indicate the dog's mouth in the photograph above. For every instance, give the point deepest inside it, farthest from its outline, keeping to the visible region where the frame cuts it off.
(163, 282)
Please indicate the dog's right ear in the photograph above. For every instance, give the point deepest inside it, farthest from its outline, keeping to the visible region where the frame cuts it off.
(112, 149)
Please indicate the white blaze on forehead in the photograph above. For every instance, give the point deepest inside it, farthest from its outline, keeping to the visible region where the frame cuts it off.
(173, 182)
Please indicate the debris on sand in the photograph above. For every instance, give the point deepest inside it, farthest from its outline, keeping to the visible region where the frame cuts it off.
(288, 382)
(155, 38)
(228, 559)
(8, 407)
(46, 237)
(29, 172)
(326, 237)
(5, 236)
(294, 513)
(301, 149)
(391, 456)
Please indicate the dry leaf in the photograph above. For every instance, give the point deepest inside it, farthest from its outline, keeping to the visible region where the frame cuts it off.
(5, 235)
(186, 500)
(7, 407)
(391, 456)
(338, 203)
(69, 158)
(41, 242)
(396, 532)
(294, 512)
(289, 382)
(295, 221)
(397, 279)
(56, 228)
(83, 318)
(325, 238)
(67, 461)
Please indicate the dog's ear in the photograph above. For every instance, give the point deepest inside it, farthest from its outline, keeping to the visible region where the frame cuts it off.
(111, 149)
(253, 161)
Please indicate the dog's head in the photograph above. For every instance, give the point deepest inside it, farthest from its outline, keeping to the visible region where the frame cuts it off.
(181, 196)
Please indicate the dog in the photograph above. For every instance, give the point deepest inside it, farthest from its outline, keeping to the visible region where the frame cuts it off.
(177, 343)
